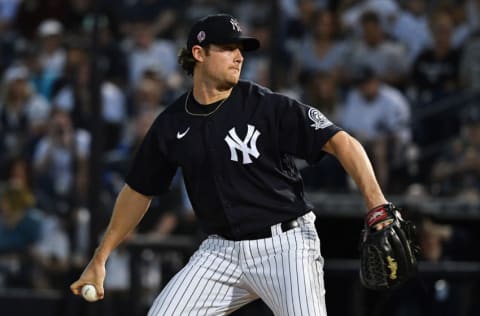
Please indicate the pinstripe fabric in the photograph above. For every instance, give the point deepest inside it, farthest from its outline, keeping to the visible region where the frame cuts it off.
(285, 271)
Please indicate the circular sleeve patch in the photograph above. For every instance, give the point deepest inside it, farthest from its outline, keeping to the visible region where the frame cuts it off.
(319, 120)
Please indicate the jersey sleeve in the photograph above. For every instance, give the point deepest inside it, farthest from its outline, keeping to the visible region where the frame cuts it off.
(304, 130)
(151, 173)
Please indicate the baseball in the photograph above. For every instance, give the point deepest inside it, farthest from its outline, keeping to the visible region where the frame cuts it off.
(89, 293)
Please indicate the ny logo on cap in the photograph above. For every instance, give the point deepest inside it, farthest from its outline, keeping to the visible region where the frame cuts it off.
(235, 25)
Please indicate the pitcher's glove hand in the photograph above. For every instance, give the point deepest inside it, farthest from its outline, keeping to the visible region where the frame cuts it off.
(387, 249)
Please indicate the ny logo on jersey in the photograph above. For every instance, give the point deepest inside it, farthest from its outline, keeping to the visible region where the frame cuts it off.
(235, 25)
(248, 146)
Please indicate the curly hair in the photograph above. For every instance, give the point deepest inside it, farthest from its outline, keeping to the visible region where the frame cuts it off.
(187, 61)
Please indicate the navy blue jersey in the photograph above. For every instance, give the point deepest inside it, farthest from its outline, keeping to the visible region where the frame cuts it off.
(237, 157)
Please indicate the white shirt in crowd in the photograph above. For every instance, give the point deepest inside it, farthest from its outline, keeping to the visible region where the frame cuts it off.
(387, 58)
(160, 57)
(114, 107)
(62, 159)
(387, 114)
(413, 31)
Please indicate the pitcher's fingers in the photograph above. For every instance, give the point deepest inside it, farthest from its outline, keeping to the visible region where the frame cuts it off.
(100, 291)
(76, 287)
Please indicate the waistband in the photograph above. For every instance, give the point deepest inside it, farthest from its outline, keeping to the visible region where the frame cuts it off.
(279, 228)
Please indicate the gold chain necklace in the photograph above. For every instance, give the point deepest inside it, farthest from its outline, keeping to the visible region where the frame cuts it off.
(202, 114)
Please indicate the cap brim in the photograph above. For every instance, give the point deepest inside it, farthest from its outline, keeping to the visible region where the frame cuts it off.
(249, 43)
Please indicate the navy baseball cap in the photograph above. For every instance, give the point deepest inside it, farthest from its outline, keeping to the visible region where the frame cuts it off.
(219, 29)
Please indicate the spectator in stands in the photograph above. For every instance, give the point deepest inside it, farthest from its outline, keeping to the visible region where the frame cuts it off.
(411, 28)
(258, 66)
(149, 53)
(434, 78)
(148, 100)
(49, 254)
(379, 116)
(113, 113)
(60, 164)
(387, 58)
(457, 172)
(19, 231)
(23, 113)
(71, 91)
(149, 95)
(51, 56)
(321, 50)
(52, 254)
(298, 22)
(321, 91)
(432, 237)
(353, 10)
(111, 58)
(73, 95)
(435, 71)
(18, 172)
(164, 15)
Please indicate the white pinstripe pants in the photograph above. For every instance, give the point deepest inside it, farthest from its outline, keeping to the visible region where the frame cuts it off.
(285, 271)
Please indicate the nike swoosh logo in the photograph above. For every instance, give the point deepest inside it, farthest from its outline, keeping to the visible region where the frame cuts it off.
(181, 135)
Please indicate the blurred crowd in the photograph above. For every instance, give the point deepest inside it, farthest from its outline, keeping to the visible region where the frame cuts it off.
(400, 75)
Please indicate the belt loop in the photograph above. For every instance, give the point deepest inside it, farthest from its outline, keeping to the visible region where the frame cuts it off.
(276, 229)
(308, 218)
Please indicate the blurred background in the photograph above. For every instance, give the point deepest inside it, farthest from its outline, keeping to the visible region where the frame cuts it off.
(82, 80)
